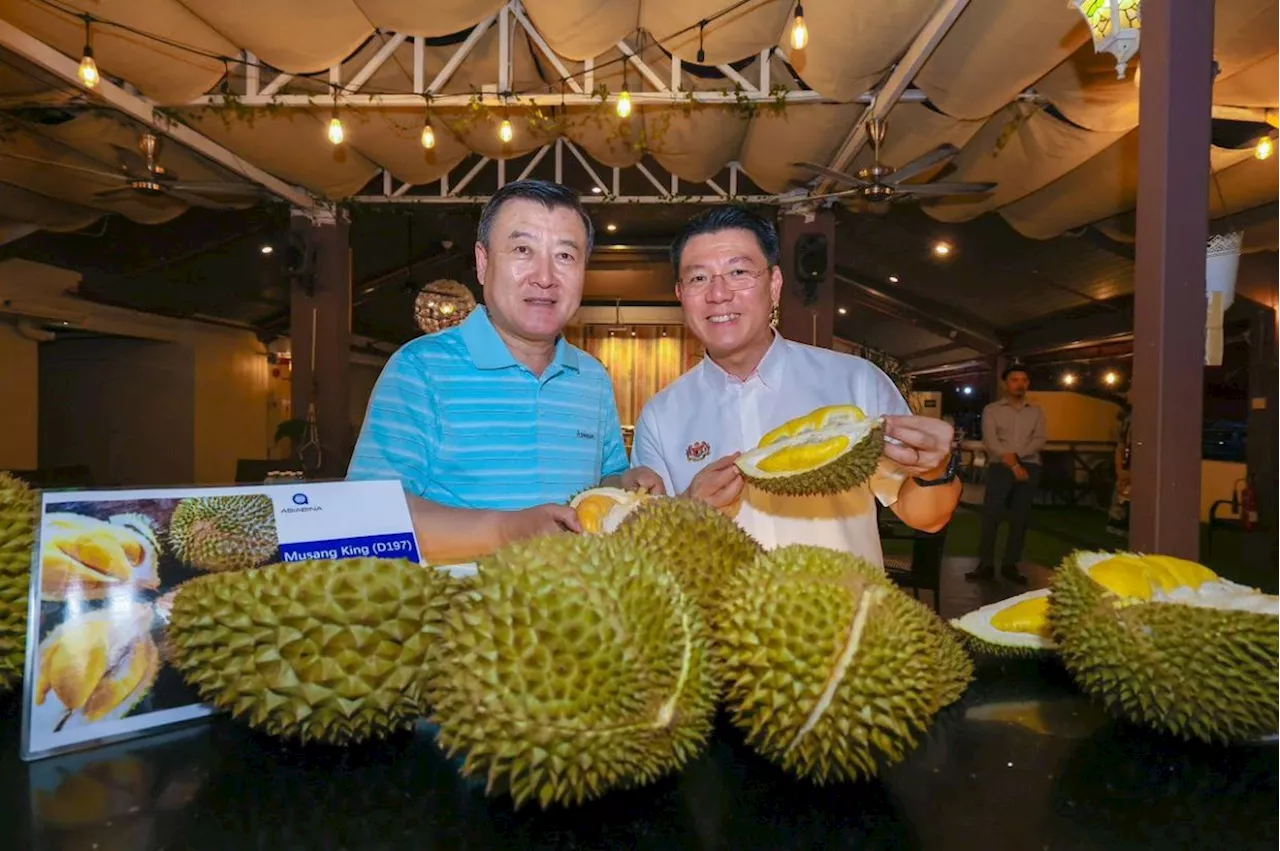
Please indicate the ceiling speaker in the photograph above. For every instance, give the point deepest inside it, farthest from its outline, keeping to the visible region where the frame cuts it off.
(811, 261)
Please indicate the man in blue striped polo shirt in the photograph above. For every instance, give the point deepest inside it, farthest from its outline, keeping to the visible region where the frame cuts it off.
(493, 424)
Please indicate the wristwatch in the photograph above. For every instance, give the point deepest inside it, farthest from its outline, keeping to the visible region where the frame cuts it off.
(953, 467)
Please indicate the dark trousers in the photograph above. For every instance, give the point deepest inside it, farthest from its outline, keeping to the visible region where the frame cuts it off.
(1006, 497)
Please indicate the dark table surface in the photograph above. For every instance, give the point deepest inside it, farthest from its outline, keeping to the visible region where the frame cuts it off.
(1022, 762)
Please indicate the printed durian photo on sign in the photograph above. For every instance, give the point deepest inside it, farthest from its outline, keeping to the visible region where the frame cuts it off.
(108, 572)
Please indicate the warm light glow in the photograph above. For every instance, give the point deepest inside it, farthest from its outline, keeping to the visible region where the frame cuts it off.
(336, 134)
(1264, 148)
(893, 279)
(799, 30)
(1116, 27)
(1069, 379)
(624, 104)
(505, 131)
(89, 69)
(1110, 379)
(428, 137)
(842, 311)
(595, 190)
(611, 227)
(267, 249)
(941, 249)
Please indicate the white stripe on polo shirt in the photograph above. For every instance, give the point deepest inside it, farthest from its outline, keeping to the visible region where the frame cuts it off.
(707, 405)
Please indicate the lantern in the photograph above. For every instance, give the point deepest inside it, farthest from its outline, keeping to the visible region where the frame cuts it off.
(1222, 261)
(1116, 27)
(442, 304)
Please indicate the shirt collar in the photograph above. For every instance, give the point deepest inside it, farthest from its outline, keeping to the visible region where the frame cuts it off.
(488, 351)
(769, 371)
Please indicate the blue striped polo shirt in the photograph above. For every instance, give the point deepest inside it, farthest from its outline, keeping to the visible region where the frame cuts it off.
(459, 421)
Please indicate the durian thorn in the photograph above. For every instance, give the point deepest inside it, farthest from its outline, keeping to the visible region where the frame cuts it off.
(869, 598)
(668, 710)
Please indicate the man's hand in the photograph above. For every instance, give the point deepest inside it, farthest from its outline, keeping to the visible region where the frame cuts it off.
(925, 443)
(1020, 473)
(547, 519)
(719, 484)
(1010, 459)
(643, 478)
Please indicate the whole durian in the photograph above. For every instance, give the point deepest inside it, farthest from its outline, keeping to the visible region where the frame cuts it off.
(1168, 644)
(330, 651)
(17, 537)
(572, 666)
(830, 669)
(827, 451)
(217, 533)
(699, 544)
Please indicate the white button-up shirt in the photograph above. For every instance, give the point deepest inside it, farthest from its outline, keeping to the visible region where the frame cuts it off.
(707, 413)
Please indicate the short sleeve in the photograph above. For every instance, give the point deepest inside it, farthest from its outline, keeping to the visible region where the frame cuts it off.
(398, 437)
(646, 449)
(614, 451)
(887, 481)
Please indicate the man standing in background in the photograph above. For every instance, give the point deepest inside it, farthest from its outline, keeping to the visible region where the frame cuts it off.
(1013, 432)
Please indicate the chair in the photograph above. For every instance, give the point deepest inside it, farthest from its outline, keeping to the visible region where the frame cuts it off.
(923, 568)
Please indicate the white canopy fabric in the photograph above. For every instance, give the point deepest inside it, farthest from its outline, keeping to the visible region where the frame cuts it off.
(1070, 160)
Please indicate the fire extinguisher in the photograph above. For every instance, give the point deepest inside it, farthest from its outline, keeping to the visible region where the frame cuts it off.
(1248, 507)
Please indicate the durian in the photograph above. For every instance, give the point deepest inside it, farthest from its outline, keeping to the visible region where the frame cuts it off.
(88, 558)
(1018, 626)
(17, 536)
(699, 544)
(574, 665)
(217, 533)
(1168, 644)
(828, 451)
(831, 670)
(600, 510)
(331, 651)
(98, 665)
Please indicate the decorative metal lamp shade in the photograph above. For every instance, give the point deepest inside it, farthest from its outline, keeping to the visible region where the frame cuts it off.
(442, 304)
(1116, 27)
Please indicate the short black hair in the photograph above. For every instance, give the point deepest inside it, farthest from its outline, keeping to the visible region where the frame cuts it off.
(1011, 369)
(729, 217)
(545, 192)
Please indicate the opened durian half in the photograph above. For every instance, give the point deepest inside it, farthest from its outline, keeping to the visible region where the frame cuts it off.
(1169, 644)
(1018, 626)
(88, 558)
(601, 510)
(828, 451)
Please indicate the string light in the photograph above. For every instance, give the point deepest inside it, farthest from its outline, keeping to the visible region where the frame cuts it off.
(505, 131)
(336, 133)
(799, 30)
(1264, 148)
(88, 72)
(428, 132)
(624, 104)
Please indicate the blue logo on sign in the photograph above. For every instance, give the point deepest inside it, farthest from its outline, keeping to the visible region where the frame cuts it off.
(299, 499)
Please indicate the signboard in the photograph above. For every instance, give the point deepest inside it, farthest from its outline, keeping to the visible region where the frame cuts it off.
(108, 564)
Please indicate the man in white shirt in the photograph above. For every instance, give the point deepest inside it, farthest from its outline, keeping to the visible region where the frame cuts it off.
(752, 380)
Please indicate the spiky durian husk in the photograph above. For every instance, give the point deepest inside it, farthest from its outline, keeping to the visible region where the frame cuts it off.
(573, 665)
(830, 669)
(17, 537)
(329, 651)
(699, 544)
(1197, 673)
(218, 533)
(845, 473)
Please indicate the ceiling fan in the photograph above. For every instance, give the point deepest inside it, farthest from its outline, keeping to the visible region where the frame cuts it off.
(145, 179)
(877, 186)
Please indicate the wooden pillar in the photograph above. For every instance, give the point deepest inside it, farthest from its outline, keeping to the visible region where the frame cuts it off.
(808, 305)
(995, 387)
(1169, 325)
(321, 300)
(1262, 436)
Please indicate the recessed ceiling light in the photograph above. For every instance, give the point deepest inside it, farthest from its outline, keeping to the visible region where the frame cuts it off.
(595, 190)
(267, 249)
(611, 227)
(842, 311)
(941, 248)
(893, 279)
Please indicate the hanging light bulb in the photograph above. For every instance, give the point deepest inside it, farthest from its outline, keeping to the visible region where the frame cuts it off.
(88, 72)
(505, 131)
(335, 130)
(624, 104)
(428, 136)
(799, 31)
(1264, 148)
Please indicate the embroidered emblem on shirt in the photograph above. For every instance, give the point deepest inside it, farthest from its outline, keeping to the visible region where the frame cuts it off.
(586, 435)
(697, 451)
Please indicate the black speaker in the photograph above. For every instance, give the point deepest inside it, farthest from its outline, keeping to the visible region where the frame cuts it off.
(811, 257)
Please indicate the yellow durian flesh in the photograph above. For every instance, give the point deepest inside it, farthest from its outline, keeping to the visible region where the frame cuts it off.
(1013, 627)
(601, 510)
(827, 451)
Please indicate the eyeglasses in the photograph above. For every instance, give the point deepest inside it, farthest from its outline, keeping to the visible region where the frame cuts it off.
(736, 280)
